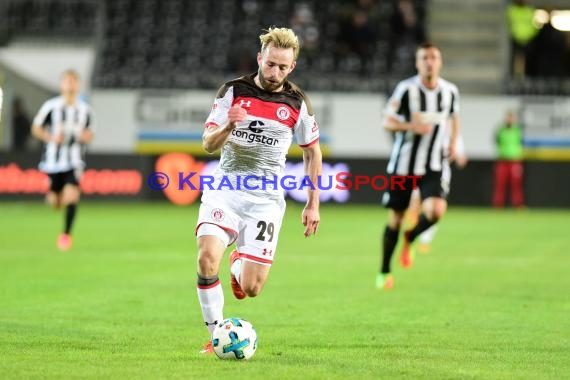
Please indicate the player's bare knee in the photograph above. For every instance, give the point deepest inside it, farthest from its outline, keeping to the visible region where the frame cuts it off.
(435, 214)
(438, 215)
(439, 211)
(72, 200)
(207, 263)
(395, 219)
(53, 200)
(66, 202)
(70, 195)
(435, 218)
(396, 224)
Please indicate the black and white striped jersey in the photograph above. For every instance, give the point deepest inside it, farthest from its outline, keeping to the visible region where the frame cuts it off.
(415, 154)
(69, 121)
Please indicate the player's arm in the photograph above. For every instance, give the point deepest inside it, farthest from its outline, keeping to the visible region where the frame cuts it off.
(215, 136)
(455, 129)
(455, 125)
(397, 114)
(222, 120)
(41, 134)
(461, 158)
(313, 163)
(39, 127)
(307, 135)
(394, 124)
(87, 133)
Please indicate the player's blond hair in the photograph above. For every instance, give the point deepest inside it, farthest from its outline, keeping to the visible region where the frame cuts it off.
(283, 38)
(70, 72)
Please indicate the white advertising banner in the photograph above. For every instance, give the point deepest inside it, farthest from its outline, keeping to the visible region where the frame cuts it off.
(158, 122)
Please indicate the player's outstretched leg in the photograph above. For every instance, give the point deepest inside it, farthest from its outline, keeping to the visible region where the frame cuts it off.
(407, 254)
(212, 244)
(384, 280)
(70, 198)
(64, 240)
(211, 297)
(235, 270)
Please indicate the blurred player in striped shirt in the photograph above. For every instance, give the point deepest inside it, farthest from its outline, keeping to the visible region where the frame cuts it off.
(65, 125)
(419, 112)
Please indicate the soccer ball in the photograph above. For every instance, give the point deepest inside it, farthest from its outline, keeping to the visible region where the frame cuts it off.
(234, 338)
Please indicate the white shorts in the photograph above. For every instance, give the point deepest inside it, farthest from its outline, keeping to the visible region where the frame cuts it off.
(254, 227)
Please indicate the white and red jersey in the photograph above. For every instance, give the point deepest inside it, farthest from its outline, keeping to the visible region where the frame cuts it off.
(258, 146)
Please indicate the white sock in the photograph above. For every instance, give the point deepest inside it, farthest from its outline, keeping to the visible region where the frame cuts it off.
(236, 270)
(212, 303)
(427, 236)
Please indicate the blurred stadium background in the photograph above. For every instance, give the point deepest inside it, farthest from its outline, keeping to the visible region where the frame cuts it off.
(151, 68)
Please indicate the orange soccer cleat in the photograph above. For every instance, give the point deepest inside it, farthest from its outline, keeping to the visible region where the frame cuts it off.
(208, 349)
(384, 281)
(407, 254)
(236, 288)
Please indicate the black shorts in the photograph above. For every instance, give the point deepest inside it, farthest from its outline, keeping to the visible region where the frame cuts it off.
(431, 184)
(58, 180)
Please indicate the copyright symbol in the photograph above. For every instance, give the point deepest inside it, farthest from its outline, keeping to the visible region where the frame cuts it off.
(158, 181)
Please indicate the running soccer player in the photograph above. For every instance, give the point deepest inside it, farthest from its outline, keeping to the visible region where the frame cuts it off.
(253, 121)
(418, 113)
(65, 125)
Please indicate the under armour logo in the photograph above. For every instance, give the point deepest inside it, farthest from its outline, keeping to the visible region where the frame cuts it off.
(267, 252)
(244, 103)
(211, 324)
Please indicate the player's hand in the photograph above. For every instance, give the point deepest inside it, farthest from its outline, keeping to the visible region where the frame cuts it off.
(85, 136)
(461, 161)
(452, 152)
(419, 127)
(311, 219)
(57, 138)
(236, 114)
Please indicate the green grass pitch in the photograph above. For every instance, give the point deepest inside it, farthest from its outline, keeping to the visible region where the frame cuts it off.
(491, 301)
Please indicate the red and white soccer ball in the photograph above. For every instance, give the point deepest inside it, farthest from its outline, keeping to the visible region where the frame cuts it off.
(234, 339)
